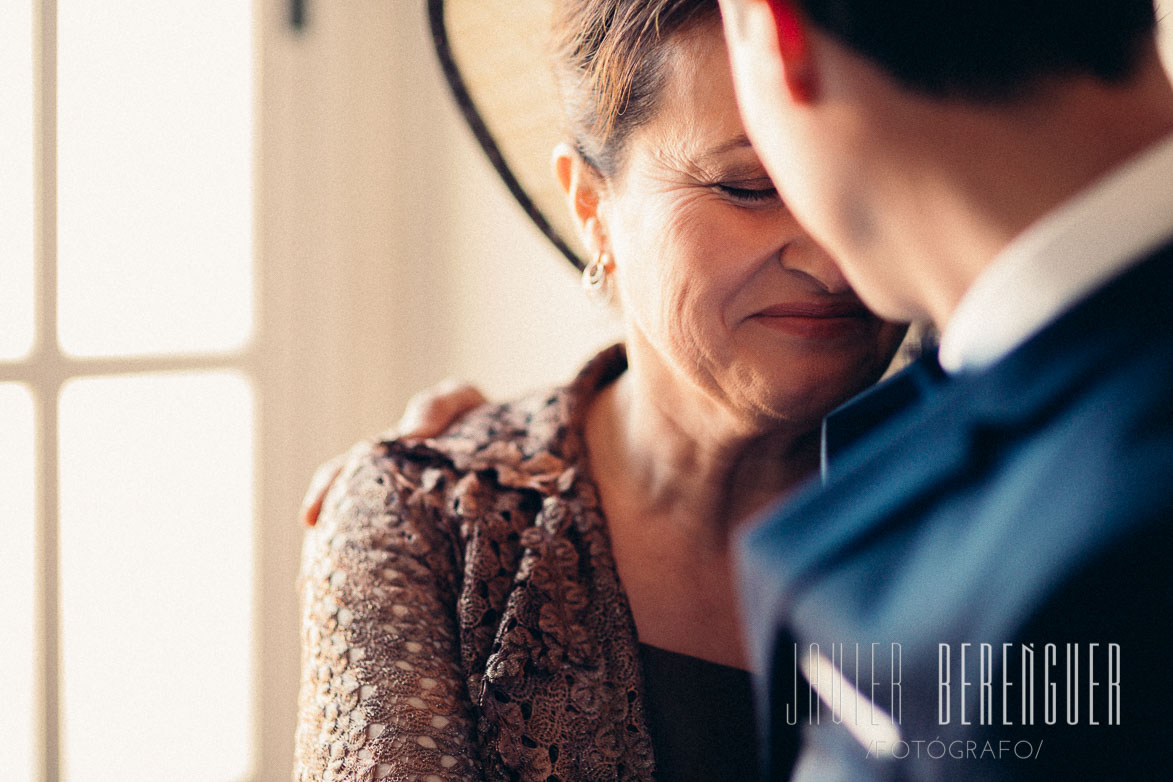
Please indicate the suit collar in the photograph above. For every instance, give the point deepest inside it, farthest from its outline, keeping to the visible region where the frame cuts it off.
(1071, 251)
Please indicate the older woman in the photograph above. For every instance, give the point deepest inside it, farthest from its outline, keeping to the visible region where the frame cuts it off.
(544, 592)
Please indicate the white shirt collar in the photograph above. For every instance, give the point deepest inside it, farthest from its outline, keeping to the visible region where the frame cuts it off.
(1062, 257)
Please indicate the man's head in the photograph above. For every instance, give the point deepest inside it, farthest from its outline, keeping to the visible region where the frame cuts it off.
(884, 120)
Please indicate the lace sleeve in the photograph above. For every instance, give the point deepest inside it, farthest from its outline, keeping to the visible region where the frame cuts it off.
(382, 692)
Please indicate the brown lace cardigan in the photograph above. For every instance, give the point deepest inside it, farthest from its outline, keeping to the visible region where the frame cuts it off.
(462, 614)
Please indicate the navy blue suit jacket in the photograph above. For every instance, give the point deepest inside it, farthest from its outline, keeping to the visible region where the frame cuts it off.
(1026, 504)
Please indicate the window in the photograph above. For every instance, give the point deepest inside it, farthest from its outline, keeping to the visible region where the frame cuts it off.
(128, 391)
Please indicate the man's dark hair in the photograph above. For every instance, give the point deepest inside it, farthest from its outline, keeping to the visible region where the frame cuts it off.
(989, 49)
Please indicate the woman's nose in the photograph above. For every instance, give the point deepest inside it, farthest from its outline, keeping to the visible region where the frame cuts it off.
(806, 257)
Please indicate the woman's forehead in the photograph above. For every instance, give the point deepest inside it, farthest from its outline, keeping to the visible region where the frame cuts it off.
(698, 107)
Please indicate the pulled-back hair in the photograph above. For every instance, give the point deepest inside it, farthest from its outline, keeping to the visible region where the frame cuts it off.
(989, 49)
(610, 60)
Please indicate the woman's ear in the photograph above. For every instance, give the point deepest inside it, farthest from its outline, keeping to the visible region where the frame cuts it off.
(582, 186)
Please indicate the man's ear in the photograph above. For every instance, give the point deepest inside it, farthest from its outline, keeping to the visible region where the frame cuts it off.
(582, 186)
(786, 33)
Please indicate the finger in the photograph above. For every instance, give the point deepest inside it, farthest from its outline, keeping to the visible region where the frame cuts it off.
(432, 411)
(311, 504)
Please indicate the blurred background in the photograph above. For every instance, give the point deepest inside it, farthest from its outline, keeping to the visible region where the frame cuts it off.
(230, 246)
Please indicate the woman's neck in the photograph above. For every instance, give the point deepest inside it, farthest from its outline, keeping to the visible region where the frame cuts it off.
(664, 452)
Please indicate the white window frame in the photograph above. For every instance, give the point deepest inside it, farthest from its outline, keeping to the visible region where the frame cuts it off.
(44, 371)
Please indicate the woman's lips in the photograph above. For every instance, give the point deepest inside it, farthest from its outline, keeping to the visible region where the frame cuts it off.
(817, 320)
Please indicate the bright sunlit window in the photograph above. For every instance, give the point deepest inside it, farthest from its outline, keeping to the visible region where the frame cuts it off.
(17, 573)
(16, 180)
(156, 554)
(155, 198)
(128, 392)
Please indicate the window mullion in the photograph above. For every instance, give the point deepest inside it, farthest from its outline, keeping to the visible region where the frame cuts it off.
(47, 553)
(47, 652)
(48, 370)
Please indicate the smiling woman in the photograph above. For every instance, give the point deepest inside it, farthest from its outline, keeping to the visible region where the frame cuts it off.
(544, 590)
(722, 291)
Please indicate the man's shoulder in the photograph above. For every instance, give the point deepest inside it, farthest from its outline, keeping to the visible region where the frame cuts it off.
(1105, 361)
(1062, 443)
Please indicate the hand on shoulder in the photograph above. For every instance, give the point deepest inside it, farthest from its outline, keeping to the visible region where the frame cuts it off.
(428, 414)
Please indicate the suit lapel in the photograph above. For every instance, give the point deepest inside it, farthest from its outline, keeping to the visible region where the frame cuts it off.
(868, 412)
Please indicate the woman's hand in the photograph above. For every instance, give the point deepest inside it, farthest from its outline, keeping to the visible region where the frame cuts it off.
(428, 414)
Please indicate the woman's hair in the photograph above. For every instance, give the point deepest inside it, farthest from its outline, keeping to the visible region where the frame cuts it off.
(610, 59)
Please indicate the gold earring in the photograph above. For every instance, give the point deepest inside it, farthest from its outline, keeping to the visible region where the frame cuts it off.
(596, 278)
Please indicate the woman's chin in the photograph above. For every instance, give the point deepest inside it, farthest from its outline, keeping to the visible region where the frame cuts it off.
(797, 387)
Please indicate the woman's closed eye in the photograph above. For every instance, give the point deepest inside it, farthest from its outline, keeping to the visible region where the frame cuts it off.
(748, 193)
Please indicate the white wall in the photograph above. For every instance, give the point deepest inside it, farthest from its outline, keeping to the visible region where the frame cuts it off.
(427, 267)
(519, 317)
(516, 316)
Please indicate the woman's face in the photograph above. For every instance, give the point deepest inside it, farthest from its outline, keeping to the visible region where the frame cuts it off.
(718, 283)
